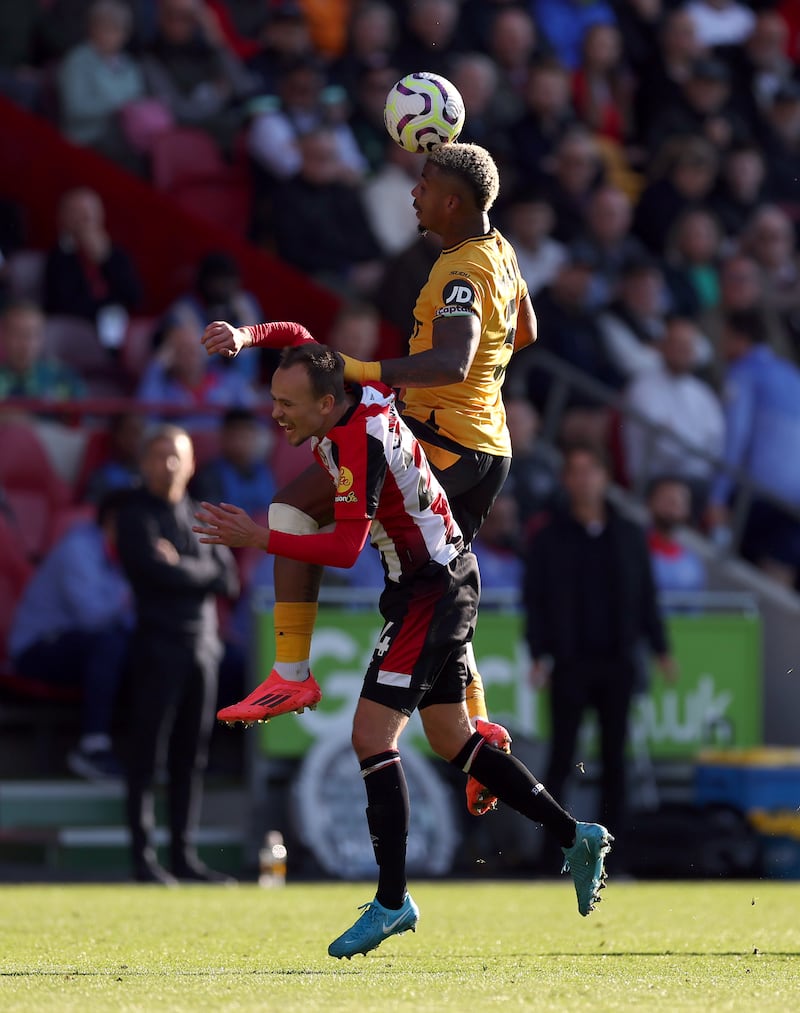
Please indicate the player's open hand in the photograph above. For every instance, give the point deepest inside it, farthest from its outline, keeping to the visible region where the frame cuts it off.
(228, 525)
(222, 338)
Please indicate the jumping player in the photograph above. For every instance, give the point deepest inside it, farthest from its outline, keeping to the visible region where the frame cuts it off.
(473, 313)
(385, 487)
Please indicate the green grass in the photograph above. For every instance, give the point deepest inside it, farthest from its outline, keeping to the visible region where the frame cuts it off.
(481, 946)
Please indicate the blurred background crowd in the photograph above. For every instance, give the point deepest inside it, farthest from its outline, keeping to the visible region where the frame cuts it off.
(649, 153)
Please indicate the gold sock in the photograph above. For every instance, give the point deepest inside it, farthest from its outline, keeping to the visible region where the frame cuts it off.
(476, 701)
(294, 626)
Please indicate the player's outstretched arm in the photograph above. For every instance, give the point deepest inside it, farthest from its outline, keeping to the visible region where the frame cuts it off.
(227, 524)
(222, 338)
(454, 344)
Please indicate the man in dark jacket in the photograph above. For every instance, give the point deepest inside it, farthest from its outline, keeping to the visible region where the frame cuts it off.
(590, 604)
(175, 653)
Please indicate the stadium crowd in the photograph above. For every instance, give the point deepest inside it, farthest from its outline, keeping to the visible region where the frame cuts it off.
(649, 153)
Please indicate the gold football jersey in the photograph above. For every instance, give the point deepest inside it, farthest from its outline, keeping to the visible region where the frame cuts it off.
(479, 276)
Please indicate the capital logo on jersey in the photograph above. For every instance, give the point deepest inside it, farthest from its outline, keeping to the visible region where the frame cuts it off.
(345, 480)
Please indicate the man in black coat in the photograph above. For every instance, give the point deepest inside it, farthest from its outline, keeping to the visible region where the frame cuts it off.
(175, 652)
(590, 604)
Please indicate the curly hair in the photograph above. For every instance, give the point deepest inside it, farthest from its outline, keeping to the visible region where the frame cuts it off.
(474, 165)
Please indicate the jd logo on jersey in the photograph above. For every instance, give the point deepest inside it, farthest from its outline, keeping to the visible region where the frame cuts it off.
(458, 293)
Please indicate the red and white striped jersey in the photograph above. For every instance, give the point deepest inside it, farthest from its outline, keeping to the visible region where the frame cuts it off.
(381, 474)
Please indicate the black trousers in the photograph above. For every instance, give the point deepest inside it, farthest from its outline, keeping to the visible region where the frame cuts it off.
(607, 688)
(172, 699)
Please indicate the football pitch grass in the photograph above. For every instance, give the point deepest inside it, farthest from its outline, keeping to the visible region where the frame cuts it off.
(479, 946)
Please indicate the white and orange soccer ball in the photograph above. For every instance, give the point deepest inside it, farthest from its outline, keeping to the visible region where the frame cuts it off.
(423, 111)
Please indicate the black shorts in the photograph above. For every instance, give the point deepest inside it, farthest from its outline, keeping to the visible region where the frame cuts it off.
(472, 481)
(420, 657)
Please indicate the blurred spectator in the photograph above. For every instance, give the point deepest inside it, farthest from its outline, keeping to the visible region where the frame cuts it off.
(576, 174)
(366, 121)
(304, 104)
(741, 288)
(703, 110)
(564, 24)
(661, 82)
(589, 603)
(511, 40)
(387, 199)
(740, 188)
(72, 627)
(240, 24)
(771, 241)
(693, 248)
(219, 295)
(535, 465)
(25, 368)
(530, 221)
(607, 240)
(762, 427)
(327, 23)
(430, 36)
(97, 79)
(121, 469)
(371, 41)
(86, 272)
(180, 374)
(402, 278)
(683, 173)
(546, 117)
(190, 69)
(475, 77)
(721, 22)
(20, 79)
(239, 474)
(602, 86)
(284, 39)
(569, 329)
(633, 324)
(175, 653)
(320, 223)
(762, 65)
(639, 21)
(781, 143)
(685, 410)
(675, 566)
(355, 331)
(497, 547)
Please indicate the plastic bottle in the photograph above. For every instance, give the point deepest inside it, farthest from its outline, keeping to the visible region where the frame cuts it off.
(272, 861)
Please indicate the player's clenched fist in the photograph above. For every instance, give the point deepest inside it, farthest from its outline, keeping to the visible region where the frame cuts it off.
(222, 338)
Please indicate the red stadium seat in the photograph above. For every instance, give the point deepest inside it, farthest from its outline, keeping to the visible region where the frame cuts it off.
(185, 153)
(33, 489)
(223, 202)
(188, 166)
(14, 574)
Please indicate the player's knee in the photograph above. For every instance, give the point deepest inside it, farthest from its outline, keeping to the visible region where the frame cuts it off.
(444, 742)
(288, 519)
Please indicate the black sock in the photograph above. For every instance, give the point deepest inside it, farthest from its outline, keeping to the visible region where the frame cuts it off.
(514, 784)
(387, 818)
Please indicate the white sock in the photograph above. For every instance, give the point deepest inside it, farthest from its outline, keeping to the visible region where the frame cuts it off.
(292, 671)
(96, 742)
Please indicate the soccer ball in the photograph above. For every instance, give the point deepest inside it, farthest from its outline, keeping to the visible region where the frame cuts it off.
(423, 111)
